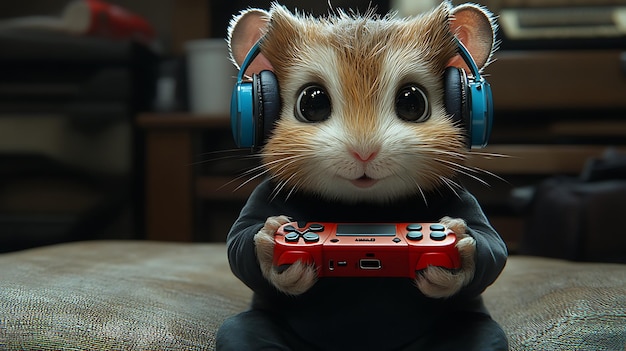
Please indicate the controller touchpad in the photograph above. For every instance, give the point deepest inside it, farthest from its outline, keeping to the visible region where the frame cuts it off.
(349, 229)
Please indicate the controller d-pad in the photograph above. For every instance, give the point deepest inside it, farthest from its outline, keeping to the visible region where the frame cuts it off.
(292, 237)
(414, 235)
(311, 237)
(316, 227)
(289, 229)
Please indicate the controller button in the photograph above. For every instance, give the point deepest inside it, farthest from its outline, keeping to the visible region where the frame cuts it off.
(414, 235)
(292, 237)
(316, 227)
(289, 228)
(334, 240)
(301, 224)
(437, 227)
(311, 237)
(414, 227)
(438, 235)
(396, 240)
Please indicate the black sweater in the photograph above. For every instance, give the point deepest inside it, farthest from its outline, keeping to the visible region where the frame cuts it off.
(364, 307)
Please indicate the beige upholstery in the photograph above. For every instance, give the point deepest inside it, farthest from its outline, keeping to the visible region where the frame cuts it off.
(118, 295)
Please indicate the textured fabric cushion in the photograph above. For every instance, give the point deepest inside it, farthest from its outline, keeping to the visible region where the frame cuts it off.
(116, 296)
(163, 296)
(549, 304)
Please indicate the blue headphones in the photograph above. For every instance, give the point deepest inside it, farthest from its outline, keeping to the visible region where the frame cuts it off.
(468, 100)
(255, 105)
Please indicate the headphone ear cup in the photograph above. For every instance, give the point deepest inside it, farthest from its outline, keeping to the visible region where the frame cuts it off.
(456, 99)
(267, 103)
(242, 114)
(481, 112)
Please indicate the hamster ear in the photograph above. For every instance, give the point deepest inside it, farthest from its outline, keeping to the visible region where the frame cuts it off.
(244, 31)
(474, 26)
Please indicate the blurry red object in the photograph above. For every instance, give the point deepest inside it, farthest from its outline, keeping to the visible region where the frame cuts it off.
(100, 18)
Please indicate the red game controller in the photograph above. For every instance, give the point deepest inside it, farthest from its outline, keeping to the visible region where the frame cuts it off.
(366, 249)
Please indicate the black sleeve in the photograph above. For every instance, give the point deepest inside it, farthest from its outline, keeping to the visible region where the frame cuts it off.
(240, 240)
(491, 251)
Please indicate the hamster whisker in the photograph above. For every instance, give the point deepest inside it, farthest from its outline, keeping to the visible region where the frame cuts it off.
(293, 190)
(280, 166)
(224, 151)
(451, 184)
(421, 191)
(234, 154)
(489, 155)
(238, 178)
(292, 158)
(250, 179)
(265, 170)
(251, 170)
(281, 185)
(262, 169)
(458, 166)
(467, 171)
(404, 176)
(277, 189)
(476, 170)
(489, 173)
(290, 152)
(456, 155)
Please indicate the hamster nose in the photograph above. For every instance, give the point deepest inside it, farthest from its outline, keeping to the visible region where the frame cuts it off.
(364, 156)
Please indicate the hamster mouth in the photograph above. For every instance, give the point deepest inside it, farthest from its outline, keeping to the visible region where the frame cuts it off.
(364, 182)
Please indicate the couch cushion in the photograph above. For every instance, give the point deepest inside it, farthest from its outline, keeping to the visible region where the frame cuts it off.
(116, 296)
(129, 295)
(549, 304)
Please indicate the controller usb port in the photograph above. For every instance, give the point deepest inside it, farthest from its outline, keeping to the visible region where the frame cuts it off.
(369, 263)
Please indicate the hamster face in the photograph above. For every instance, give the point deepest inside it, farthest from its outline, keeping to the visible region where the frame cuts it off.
(362, 116)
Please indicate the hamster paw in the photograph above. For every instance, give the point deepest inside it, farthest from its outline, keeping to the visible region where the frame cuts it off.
(438, 282)
(294, 280)
(457, 225)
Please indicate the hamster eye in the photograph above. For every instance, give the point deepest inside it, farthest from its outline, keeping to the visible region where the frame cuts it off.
(313, 104)
(412, 104)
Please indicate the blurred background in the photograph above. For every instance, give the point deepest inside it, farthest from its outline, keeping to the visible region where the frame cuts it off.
(114, 125)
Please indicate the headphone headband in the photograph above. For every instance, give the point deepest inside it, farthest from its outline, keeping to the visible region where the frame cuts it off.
(255, 50)
(469, 60)
(247, 120)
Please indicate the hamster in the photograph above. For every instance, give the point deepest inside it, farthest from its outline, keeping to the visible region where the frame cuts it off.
(363, 135)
